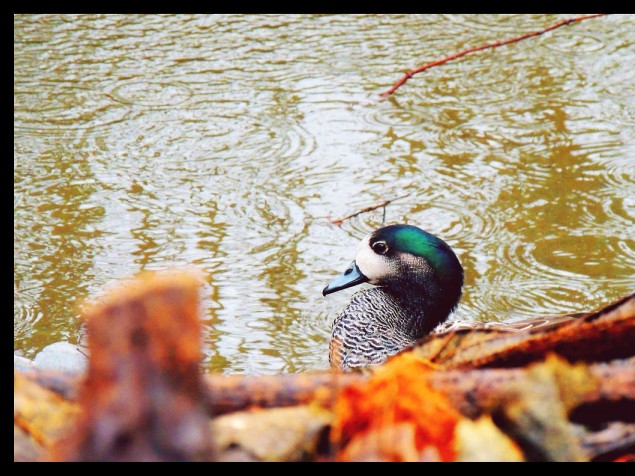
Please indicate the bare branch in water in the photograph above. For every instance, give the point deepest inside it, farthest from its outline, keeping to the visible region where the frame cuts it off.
(447, 59)
(339, 221)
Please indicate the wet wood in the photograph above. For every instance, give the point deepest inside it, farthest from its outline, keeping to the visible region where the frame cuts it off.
(472, 391)
(229, 393)
(476, 392)
(383, 204)
(142, 399)
(606, 334)
(614, 439)
(487, 348)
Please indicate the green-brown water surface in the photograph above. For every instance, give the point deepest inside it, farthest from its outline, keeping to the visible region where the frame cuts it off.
(225, 141)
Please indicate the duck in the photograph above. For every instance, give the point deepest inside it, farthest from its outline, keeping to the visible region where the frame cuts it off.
(418, 281)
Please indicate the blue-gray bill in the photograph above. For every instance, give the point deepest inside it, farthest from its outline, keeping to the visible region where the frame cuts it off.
(349, 278)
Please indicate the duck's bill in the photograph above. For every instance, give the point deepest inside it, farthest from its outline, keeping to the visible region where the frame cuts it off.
(349, 278)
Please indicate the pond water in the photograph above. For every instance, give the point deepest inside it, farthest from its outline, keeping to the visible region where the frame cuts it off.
(225, 142)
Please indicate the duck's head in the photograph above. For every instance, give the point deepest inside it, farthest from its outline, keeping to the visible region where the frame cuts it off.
(408, 262)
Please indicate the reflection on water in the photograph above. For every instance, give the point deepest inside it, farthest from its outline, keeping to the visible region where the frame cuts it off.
(226, 142)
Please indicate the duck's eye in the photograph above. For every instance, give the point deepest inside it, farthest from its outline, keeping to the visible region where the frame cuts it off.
(380, 247)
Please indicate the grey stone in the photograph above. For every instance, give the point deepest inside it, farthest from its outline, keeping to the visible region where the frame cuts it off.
(21, 363)
(61, 356)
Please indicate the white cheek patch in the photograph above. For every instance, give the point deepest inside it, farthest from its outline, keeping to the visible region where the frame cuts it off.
(372, 265)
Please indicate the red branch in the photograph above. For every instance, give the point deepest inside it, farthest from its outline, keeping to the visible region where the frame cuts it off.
(412, 72)
(339, 221)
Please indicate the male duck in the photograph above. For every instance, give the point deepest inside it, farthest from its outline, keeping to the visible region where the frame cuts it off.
(419, 281)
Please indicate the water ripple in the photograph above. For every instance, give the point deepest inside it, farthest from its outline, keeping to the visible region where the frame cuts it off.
(512, 23)
(151, 93)
(574, 44)
(226, 141)
(60, 106)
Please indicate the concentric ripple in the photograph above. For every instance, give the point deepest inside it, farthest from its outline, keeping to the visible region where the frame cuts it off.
(574, 44)
(60, 106)
(151, 93)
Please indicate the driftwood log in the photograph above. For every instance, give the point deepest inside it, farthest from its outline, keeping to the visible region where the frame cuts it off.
(605, 403)
(616, 322)
(605, 334)
(144, 398)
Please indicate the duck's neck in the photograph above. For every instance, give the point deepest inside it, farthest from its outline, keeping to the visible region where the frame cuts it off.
(421, 310)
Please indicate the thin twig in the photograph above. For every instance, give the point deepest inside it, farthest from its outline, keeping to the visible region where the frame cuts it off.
(412, 72)
(339, 221)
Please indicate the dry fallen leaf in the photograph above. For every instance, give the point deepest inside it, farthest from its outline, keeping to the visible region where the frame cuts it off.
(279, 434)
(396, 404)
(481, 440)
(42, 414)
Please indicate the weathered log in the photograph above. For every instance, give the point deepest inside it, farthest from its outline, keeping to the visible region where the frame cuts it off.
(142, 399)
(229, 393)
(538, 400)
(479, 391)
(613, 440)
(472, 391)
(606, 334)
(595, 336)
